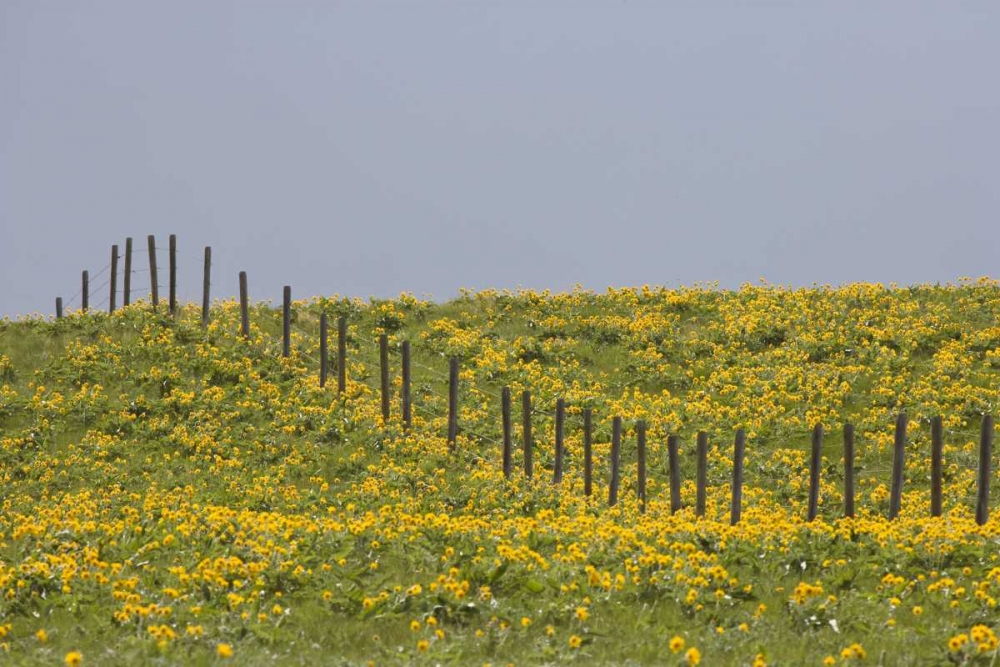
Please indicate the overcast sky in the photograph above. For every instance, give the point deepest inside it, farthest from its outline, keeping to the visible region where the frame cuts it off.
(369, 148)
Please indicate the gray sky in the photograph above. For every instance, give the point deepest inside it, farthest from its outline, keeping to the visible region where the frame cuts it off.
(367, 148)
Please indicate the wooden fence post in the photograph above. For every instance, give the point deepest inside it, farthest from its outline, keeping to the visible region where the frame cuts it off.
(244, 306)
(453, 403)
(702, 474)
(588, 457)
(341, 354)
(59, 308)
(172, 259)
(112, 297)
(526, 433)
(736, 510)
(505, 418)
(814, 468)
(985, 451)
(937, 451)
(154, 287)
(898, 455)
(286, 321)
(383, 361)
(640, 438)
(849, 470)
(127, 276)
(206, 287)
(557, 474)
(323, 356)
(673, 461)
(85, 291)
(406, 406)
(616, 450)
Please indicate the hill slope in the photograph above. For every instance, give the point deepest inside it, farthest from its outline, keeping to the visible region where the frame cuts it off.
(172, 494)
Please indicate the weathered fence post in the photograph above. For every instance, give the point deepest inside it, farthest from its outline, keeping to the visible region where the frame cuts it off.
(85, 291)
(588, 456)
(505, 418)
(899, 450)
(244, 306)
(113, 282)
(173, 274)
(701, 474)
(286, 321)
(526, 433)
(341, 354)
(673, 461)
(206, 287)
(985, 451)
(453, 403)
(383, 360)
(616, 450)
(739, 449)
(557, 474)
(404, 397)
(127, 277)
(849, 470)
(154, 287)
(814, 464)
(323, 355)
(640, 437)
(59, 308)
(937, 451)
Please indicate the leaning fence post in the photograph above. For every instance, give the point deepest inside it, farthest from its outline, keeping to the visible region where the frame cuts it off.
(341, 354)
(404, 396)
(154, 288)
(173, 274)
(323, 356)
(616, 448)
(985, 450)
(127, 277)
(557, 474)
(701, 474)
(453, 403)
(814, 464)
(505, 418)
(85, 291)
(286, 321)
(244, 306)
(588, 457)
(899, 449)
(739, 448)
(673, 461)
(206, 287)
(112, 297)
(59, 308)
(526, 432)
(383, 360)
(937, 450)
(849, 470)
(640, 437)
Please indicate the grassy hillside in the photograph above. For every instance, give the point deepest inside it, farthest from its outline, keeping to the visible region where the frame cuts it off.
(178, 496)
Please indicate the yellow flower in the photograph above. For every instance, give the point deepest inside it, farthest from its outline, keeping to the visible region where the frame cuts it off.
(956, 643)
(224, 651)
(423, 645)
(759, 660)
(829, 661)
(525, 621)
(582, 613)
(550, 630)
(415, 625)
(693, 656)
(917, 611)
(575, 641)
(677, 644)
(74, 659)
(42, 636)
